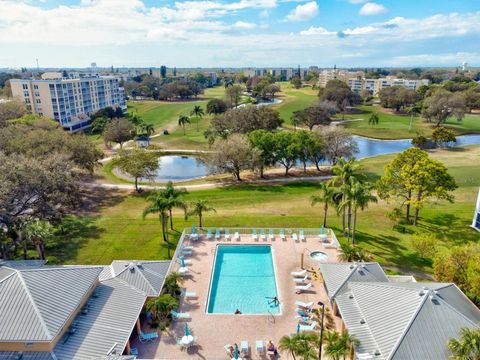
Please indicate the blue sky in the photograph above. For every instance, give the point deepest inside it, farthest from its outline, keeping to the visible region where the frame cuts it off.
(239, 33)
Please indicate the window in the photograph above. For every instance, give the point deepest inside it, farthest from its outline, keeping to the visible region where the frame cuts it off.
(27, 101)
(25, 87)
(26, 94)
(38, 101)
(37, 93)
(35, 87)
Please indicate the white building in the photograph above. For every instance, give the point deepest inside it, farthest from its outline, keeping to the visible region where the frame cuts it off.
(476, 214)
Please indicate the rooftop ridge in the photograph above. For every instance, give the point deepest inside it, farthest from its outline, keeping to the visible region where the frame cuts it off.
(8, 276)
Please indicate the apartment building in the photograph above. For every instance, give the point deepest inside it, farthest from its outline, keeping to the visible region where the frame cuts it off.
(70, 100)
(326, 75)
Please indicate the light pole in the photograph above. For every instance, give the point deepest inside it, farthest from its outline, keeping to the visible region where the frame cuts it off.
(321, 331)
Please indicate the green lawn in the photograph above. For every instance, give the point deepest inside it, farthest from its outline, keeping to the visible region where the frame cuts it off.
(294, 99)
(392, 126)
(120, 233)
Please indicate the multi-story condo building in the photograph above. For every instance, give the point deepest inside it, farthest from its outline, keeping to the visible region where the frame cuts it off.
(70, 100)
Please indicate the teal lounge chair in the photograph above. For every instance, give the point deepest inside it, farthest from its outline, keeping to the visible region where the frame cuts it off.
(302, 235)
(217, 234)
(262, 234)
(282, 234)
(179, 316)
(270, 235)
(209, 234)
(254, 234)
(194, 229)
(310, 327)
(227, 234)
(144, 337)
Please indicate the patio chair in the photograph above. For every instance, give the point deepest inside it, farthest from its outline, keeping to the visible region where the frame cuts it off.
(144, 337)
(134, 351)
(305, 305)
(227, 348)
(183, 270)
(270, 235)
(209, 234)
(180, 316)
(189, 294)
(302, 235)
(310, 327)
(217, 234)
(262, 234)
(186, 252)
(301, 280)
(301, 288)
(304, 320)
(259, 347)
(282, 234)
(299, 273)
(227, 234)
(244, 348)
(184, 247)
(295, 237)
(254, 234)
(236, 236)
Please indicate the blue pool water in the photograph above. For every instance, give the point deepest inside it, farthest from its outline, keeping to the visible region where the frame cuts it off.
(243, 279)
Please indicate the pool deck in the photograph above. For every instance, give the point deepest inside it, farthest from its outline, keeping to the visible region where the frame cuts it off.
(214, 331)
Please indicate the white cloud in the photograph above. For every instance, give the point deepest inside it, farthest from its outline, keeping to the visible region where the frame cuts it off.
(313, 30)
(357, 1)
(371, 8)
(303, 12)
(436, 59)
(244, 25)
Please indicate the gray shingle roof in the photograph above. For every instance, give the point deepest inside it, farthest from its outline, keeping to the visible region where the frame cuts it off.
(107, 325)
(146, 276)
(337, 275)
(400, 320)
(31, 355)
(36, 302)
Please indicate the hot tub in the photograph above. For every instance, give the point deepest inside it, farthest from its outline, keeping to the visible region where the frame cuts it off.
(319, 256)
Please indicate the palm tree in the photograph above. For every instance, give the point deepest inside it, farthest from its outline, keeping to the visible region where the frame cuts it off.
(348, 341)
(159, 204)
(289, 344)
(172, 282)
(174, 197)
(326, 198)
(349, 253)
(414, 110)
(361, 196)
(307, 343)
(373, 119)
(197, 112)
(199, 207)
(334, 348)
(182, 121)
(161, 306)
(467, 347)
(146, 129)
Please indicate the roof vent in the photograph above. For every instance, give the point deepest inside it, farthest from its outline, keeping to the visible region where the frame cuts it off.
(131, 267)
(362, 321)
(350, 296)
(421, 292)
(351, 266)
(363, 266)
(377, 353)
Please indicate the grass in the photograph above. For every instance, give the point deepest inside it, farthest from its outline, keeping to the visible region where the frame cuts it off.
(119, 232)
(394, 126)
(293, 100)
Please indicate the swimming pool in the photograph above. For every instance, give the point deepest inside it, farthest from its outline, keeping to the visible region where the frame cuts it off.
(244, 279)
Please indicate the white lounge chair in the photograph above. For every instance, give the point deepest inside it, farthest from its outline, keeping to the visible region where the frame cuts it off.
(295, 237)
(244, 348)
(189, 294)
(299, 273)
(270, 235)
(183, 270)
(310, 327)
(227, 234)
(217, 234)
(301, 280)
(305, 320)
(236, 236)
(254, 234)
(187, 248)
(179, 316)
(302, 235)
(186, 252)
(305, 305)
(282, 234)
(262, 235)
(209, 234)
(259, 347)
(305, 287)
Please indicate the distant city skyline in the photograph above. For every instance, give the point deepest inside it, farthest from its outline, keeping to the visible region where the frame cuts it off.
(240, 33)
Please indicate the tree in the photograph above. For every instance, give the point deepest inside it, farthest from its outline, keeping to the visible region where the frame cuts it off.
(99, 124)
(327, 197)
(337, 143)
(137, 163)
(119, 131)
(442, 105)
(160, 307)
(197, 112)
(339, 92)
(289, 345)
(163, 71)
(263, 141)
(216, 106)
(334, 348)
(373, 119)
(272, 89)
(171, 284)
(286, 149)
(232, 155)
(424, 244)
(351, 252)
(159, 204)
(360, 195)
(302, 344)
(234, 93)
(306, 142)
(420, 141)
(296, 82)
(182, 121)
(174, 196)
(11, 110)
(442, 136)
(39, 232)
(467, 347)
(397, 97)
(319, 114)
(198, 207)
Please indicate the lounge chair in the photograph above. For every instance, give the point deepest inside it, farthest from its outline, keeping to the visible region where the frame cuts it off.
(310, 327)
(270, 235)
(227, 348)
(301, 288)
(305, 305)
(227, 234)
(295, 237)
(144, 337)
(244, 348)
(306, 320)
(193, 233)
(186, 262)
(186, 252)
(209, 234)
(236, 236)
(302, 235)
(262, 234)
(187, 247)
(254, 234)
(259, 347)
(299, 273)
(179, 316)
(183, 270)
(364, 356)
(189, 294)
(282, 234)
(301, 280)
(217, 234)
(134, 351)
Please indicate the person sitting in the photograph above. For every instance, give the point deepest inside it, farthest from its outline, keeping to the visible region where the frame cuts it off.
(271, 350)
(238, 312)
(231, 350)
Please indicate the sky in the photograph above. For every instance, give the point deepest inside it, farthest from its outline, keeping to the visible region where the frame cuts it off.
(239, 33)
